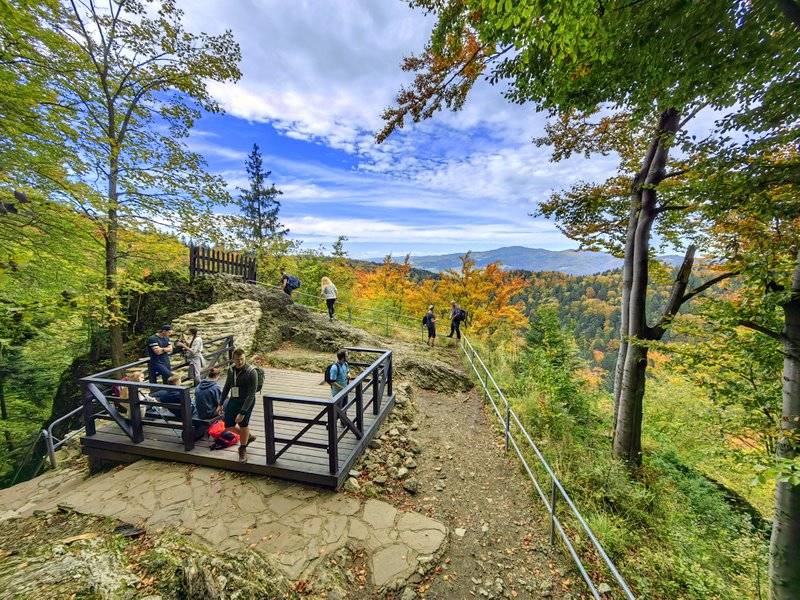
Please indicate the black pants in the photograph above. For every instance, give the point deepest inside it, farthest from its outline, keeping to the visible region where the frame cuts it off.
(454, 327)
(330, 302)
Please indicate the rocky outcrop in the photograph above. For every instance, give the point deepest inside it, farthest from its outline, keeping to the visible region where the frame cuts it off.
(283, 320)
(431, 373)
(239, 318)
(68, 555)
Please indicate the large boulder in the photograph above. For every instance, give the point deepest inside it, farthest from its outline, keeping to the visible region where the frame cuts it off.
(239, 318)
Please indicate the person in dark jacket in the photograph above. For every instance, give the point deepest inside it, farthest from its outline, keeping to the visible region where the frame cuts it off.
(429, 321)
(241, 384)
(455, 319)
(159, 347)
(170, 396)
(208, 396)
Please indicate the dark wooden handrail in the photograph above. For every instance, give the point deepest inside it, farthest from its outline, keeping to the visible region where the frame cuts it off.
(376, 376)
(134, 424)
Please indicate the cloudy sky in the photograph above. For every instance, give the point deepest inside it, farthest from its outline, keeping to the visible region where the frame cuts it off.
(316, 76)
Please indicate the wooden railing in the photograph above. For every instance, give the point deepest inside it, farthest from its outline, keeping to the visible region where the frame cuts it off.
(367, 390)
(204, 261)
(98, 390)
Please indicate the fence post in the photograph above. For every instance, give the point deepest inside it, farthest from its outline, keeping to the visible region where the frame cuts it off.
(553, 498)
(269, 429)
(508, 422)
(376, 384)
(186, 413)
(136, 414)
(333, 440)
(389, 376)
(360, 406)
(88, 413)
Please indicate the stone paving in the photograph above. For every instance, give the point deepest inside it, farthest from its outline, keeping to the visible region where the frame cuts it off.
(296, 525)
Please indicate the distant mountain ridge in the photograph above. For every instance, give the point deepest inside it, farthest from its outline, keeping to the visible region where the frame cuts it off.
(573, 262)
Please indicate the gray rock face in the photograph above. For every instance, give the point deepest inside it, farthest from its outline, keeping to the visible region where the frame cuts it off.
(239, 318)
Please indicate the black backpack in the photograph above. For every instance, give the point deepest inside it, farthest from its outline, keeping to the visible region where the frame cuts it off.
(461, 315)
(328, 377)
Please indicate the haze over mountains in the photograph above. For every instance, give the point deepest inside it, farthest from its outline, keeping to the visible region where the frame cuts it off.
(574, 262)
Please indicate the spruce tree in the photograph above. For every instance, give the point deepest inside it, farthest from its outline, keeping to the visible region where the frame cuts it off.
(258, 226)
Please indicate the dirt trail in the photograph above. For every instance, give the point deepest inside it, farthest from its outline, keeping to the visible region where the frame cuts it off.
(499, 545)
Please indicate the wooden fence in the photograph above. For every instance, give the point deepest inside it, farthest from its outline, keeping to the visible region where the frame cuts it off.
(204, 261)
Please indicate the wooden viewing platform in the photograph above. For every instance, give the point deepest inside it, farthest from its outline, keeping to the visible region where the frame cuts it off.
(302, 433)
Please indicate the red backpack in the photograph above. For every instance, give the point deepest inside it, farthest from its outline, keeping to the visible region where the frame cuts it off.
(216, 428)
(222, 438)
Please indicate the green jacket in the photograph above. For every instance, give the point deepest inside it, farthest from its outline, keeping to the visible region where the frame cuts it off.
(246, 379)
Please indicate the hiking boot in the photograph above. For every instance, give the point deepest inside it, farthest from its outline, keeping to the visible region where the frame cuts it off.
(250, 440)
(242, 453)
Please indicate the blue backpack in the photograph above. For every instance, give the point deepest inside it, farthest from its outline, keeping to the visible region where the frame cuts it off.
(292, 283)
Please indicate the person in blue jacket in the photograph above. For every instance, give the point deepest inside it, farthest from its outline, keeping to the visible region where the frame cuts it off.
(208, 395)
(340, 373)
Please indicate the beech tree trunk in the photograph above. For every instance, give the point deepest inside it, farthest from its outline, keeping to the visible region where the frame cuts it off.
(112, 248)
(628, 426)
(627, 277)
(784, 552)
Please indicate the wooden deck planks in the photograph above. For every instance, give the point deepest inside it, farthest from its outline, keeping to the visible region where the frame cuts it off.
(298, 463)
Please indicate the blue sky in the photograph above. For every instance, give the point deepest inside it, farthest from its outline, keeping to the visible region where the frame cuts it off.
(316, 76)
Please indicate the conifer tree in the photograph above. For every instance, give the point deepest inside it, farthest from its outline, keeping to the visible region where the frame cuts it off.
(258, 225)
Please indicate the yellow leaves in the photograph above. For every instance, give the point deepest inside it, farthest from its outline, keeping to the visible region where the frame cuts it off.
(486, 294)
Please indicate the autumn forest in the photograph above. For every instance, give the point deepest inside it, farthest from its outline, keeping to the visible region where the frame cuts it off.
(667, 397)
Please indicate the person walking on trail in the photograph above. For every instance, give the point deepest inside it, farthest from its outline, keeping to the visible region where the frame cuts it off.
(289, 283)
(208, 395)
(241, 384)
(193, 351)
(456, 316)
(338, 374)
(159, 347)
(429, 322)
(329, 293)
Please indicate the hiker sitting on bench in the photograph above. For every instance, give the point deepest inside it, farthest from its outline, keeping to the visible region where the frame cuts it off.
(171, 396)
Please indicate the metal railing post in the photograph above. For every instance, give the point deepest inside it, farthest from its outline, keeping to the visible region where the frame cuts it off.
(553, 498)
(333, 440)
(269, 429)
(51, 453)
(508, 423)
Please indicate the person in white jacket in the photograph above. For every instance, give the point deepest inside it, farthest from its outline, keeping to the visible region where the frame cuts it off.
(329, 293)
(193, 350)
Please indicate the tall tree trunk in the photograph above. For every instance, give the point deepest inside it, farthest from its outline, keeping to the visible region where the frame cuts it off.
(628, 430)
(112, 292)
(627, 279)
(784, 551)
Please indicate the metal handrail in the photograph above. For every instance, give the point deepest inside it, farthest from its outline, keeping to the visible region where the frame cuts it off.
(52, 442)
(557, 489)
